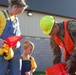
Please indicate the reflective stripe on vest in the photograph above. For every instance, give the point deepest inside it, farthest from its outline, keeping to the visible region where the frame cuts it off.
(67, 44)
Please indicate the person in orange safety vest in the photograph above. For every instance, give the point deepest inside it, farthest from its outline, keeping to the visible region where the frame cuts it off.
(62, 37)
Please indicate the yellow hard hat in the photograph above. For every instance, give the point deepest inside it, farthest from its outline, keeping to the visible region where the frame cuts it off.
(46, 24)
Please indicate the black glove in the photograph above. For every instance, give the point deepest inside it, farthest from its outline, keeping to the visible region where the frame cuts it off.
(70, 66)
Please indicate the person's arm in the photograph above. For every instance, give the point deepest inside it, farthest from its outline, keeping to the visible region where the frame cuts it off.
(73, 57)
(2, 22)
(56, 51)
(33, 65)
(30, 72)
(18, 33)
(2, 26)
(33, 70)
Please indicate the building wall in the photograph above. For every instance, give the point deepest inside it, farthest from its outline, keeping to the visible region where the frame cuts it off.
(57, 7)
(30, 24)
(30, 29)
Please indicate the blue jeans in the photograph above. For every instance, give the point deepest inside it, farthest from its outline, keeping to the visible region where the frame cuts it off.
(13, 64)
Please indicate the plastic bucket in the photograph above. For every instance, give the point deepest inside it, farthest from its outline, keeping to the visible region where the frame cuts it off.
(58, 69)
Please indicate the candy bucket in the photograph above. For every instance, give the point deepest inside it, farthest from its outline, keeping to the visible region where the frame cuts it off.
(58, 69)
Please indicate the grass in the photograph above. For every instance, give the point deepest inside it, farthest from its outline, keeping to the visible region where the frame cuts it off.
(37, 73)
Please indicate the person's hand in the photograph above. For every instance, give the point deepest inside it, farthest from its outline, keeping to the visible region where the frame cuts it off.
(69, 66)
(28, 73)
(1, 42)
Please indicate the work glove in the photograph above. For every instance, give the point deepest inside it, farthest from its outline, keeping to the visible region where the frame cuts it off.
(70, 66)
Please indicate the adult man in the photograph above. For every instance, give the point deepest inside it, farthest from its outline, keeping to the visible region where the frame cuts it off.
(62, 35)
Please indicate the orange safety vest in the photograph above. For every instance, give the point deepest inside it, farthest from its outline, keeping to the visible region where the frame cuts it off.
(67, 44)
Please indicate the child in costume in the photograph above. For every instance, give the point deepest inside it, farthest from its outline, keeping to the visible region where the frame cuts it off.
(28, 62)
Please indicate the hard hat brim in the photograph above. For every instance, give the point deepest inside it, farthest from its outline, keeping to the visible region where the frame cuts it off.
(47, 32)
